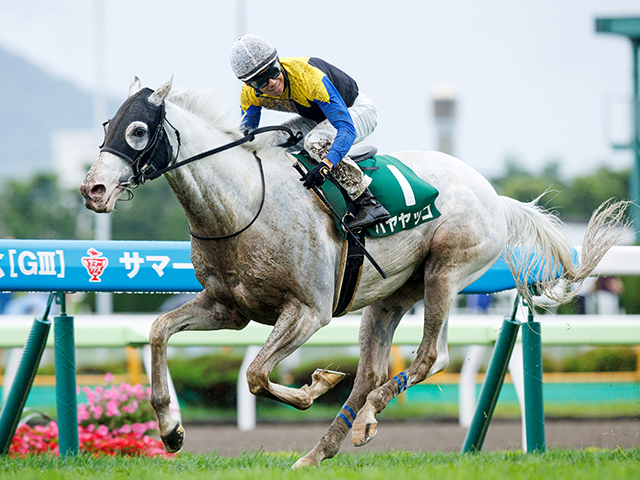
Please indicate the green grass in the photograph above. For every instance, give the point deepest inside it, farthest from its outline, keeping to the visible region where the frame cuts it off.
(556, 464)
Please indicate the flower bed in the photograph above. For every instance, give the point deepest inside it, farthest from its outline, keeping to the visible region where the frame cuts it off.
(116, 420)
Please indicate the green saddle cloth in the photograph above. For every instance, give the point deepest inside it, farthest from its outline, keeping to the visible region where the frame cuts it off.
(408, 198)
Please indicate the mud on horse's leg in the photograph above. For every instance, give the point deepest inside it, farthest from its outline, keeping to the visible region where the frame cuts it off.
(378, 323)
(432, 357)
(201, 313)
(296, 324)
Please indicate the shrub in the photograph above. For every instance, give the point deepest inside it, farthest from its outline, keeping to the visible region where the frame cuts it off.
(126, 440)
(116, 420)
(206, 381)
(603, 359)
(116, 406)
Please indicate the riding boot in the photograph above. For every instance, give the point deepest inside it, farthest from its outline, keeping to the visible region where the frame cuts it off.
(370, 212)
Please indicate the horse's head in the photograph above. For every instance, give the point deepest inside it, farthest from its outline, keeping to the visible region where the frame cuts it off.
(135, 146)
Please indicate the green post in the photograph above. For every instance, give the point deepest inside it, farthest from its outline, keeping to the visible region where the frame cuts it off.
(533, 398)
(492, 385)
(66, 396)
(21, 386)
(630, 27)
(635, 141)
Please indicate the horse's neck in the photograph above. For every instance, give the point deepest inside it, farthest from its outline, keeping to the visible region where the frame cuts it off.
(220, 192)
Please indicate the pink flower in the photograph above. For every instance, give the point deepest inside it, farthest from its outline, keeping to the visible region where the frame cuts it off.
(83, 413)
(132, 407)
(112, 409)
(97, 412)
(108, 378)
(102, 430)
(139, 428)
(126, 428)
(139, 392)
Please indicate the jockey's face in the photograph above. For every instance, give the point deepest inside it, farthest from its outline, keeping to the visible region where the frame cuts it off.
(275, 87)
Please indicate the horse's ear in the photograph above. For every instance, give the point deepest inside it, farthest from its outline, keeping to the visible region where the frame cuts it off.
(135, 87)
(157, 97)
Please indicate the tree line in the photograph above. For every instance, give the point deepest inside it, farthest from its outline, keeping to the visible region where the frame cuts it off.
(38, 208)
(575, 199)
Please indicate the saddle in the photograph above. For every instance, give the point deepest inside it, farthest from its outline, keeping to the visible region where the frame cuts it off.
(409, 199)
(360, 153)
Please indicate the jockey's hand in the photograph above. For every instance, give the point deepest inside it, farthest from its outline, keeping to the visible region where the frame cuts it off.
(316, 176)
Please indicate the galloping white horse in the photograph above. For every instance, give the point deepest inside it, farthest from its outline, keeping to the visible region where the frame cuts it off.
(282, 270)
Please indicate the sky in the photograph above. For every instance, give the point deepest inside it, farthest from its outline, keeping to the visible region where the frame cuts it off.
(533, 80)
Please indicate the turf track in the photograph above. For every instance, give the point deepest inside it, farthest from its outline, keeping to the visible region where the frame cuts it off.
(556, 464)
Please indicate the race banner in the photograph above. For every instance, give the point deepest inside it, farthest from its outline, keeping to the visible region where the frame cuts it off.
(96, 266)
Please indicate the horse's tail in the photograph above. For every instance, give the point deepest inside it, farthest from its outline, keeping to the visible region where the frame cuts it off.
(538, 247)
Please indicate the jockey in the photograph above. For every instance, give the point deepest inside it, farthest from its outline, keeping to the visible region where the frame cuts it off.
(332, 115)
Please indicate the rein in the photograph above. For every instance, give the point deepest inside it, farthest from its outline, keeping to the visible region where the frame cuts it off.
(222, 237)
(249, 137)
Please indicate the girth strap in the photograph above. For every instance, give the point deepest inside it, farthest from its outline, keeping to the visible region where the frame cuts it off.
(351, 265)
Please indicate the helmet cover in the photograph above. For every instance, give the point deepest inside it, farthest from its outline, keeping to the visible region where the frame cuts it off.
(251, 54)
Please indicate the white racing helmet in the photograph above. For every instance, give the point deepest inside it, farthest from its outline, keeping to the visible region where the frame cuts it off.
(251, 54)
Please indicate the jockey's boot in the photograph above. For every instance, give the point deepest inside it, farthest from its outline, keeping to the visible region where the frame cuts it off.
(370, 212)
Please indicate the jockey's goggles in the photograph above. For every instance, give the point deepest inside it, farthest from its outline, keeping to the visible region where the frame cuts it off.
(261, 81)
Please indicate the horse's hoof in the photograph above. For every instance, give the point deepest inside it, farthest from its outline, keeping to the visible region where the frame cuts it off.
(328, 377)
(363, 434)
(174, 440)
(304, 462)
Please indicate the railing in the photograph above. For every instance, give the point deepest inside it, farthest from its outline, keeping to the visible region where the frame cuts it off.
(121, 330)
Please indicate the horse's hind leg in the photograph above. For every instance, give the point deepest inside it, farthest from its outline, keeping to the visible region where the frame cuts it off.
(201, 313)
(431, 357)
(377, 326)
(456, 257)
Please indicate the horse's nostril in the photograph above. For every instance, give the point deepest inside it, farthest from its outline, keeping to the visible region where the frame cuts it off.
(98, 191)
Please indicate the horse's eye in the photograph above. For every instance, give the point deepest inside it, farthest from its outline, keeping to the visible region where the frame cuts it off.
(139, 132)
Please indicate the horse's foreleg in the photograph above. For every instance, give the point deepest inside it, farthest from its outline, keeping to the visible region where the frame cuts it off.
(296, 324)
(201, 313)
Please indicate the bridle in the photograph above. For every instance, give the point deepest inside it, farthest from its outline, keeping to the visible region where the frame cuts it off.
(157, 158)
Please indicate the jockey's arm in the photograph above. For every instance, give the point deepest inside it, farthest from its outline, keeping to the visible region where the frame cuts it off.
(338, 115)
(250, 118)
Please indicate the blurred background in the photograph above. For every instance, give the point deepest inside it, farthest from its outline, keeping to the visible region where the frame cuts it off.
(527, 93)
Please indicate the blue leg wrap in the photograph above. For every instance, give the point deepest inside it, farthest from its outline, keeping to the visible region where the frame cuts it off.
(349, 412)
(401, 380)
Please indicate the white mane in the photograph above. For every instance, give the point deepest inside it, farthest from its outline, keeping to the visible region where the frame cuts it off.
(208, 105)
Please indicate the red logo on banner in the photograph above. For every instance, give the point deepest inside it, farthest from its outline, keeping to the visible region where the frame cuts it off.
(95, 264)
